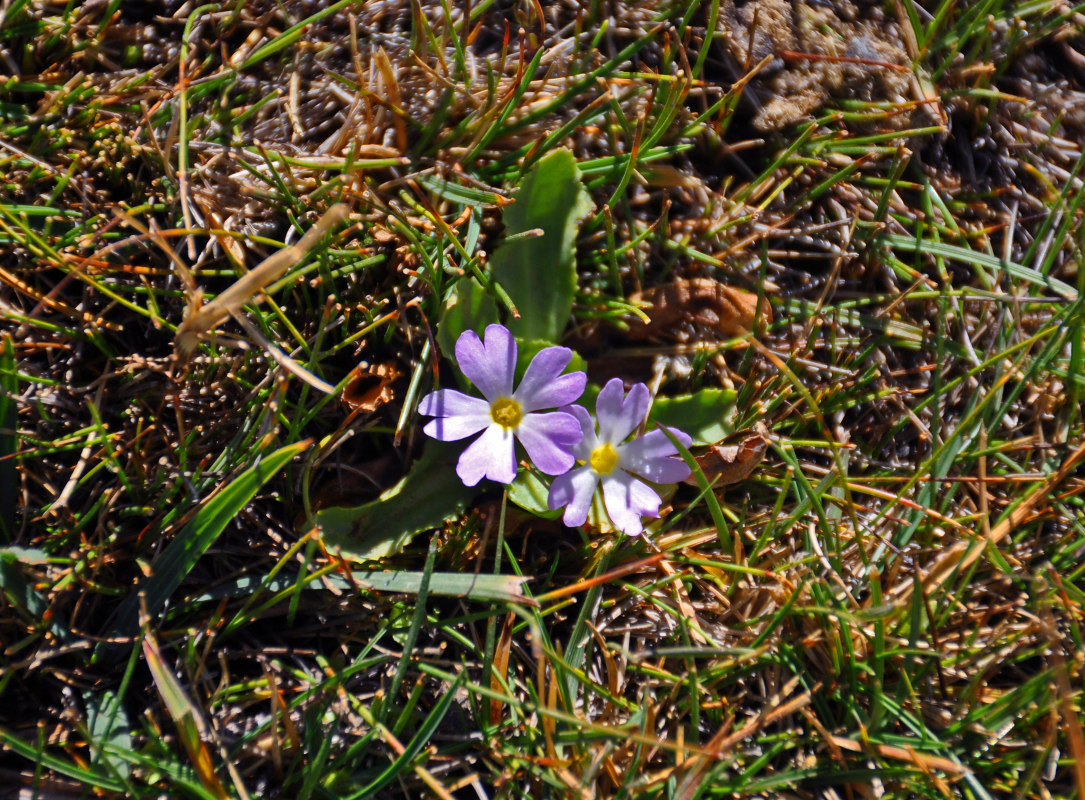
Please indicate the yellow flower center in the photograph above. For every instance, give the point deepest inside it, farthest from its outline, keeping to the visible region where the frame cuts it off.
(506, 412)
(604, 459)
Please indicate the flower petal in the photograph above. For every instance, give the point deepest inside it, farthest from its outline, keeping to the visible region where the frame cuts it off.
(489, 364)
(549, 439)
(654, 456)
(492, 455)
(582, 450)
(459, 415)
(574, 490)
(627, 500)
(451, 403)
(451, 429)
(544, 386)
(618, 414)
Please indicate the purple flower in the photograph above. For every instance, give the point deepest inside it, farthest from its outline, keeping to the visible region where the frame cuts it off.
(607, 461)
(506, 414)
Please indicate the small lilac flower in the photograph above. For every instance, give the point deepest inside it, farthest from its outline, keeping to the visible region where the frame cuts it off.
(606, 460)
(506, 414)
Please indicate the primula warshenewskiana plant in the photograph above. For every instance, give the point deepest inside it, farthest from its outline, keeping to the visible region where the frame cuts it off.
(507, 414)
(607, 459)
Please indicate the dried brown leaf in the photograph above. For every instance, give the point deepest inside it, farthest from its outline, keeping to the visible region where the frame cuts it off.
(370, 387)
(702, 302)
(726, 464)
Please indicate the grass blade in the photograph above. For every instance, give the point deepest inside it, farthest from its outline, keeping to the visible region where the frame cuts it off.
(9, 439)
(186, 716)
(181, 555)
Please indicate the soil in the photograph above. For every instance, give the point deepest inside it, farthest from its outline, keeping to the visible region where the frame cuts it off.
(815, 51)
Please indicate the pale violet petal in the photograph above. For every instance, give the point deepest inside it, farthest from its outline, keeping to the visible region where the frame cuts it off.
(492, 455)
(618, 415)
(627, 500)
(450, 403)
(489, 364)
(654, 456)
(574, 491)
(451, 429)
(549, 439)
(583, 449)
(544, 386)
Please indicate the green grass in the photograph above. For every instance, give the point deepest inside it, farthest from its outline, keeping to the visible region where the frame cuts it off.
(172, 622)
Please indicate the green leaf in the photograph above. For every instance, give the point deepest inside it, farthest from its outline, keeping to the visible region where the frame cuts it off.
(707, 416)
(429, 495)
(530, 492)
(509, 588)
(23, 555)
(109, 728)
(27, 601)
(468, 308)
(539, 273)
(181, 555)
(527, 350)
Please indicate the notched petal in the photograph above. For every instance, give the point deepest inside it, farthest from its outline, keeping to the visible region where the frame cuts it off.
(489, 363)
(449, 402)
(618, 415)
(559, 391)
(654, 456)
(573, 490)
(627, 500)
(451, 429)
(549, 439)
(492, 455)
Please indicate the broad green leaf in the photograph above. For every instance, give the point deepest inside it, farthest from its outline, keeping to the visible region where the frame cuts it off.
(27, 601)
(539, 273)
(530, 492)
(430, 494)
(527, 350)
(24, 555)
(109, 728)
(447, 584)
(707, 416)
(181, 555)
(468, 308)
